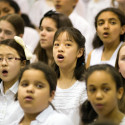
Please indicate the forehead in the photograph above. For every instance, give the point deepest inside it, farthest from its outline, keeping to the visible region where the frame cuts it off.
(64, 35)
(97, 78)
(5, 5)
(5, 49)
(107, 14)
(7, 25)
(122, 50)
(34, 75)
(48, 21)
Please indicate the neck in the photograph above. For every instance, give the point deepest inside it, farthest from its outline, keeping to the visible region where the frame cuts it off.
(115, 115)
(28, 118)
(50, 56)
(66, 79)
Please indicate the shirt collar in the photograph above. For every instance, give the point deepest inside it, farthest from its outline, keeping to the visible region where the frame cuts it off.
(13, 89)
(45, 114)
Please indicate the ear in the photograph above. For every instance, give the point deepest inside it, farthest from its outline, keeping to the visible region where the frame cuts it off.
(80, 52)
(120, 93)
(21, 35)
(23, 63)
(52, 96)
(75, 2)
(123, 30)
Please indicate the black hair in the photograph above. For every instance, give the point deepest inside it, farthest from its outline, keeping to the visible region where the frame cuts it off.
(97, 42)
(76, 35)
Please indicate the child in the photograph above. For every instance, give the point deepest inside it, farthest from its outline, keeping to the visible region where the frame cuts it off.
(120, 66)
(110, 24)
(35, 93)
(44, 49)
(10, 26)
(68, 52)
(104, 89)
(13, 56)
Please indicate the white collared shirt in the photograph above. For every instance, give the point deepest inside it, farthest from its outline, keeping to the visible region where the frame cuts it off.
(9, 108)
(49, 117)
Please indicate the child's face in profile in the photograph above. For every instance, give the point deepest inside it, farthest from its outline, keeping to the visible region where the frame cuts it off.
(34, 91)
(121, 61)
(102, 93)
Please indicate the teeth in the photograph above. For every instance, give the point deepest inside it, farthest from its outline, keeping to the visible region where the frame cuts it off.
(60, 56)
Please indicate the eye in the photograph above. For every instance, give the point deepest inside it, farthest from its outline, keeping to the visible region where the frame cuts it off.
(1, 58)
(106, 89)
(56, 44)
(24, 84)
(39, 85)
(113, 22)
(10, 58)
(92, 90)
(100, 23)
(8, 32)
(49, 29)
(67, 44)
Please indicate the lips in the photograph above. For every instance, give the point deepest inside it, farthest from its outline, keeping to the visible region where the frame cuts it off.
(4, 72)
(28, 98)
(99, 106)
(106, 34)
(60, 58)
(58, 6)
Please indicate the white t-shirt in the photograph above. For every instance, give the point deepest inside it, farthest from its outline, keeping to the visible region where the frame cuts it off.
(68, 100)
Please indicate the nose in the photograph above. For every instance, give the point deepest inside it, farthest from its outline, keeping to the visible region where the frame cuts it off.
(4, 62)
(2, 35)
(42, 32)
(61, 48)
(99, 95)
(106, 25)
(30, 89)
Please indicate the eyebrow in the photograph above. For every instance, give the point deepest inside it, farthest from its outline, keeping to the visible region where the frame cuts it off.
(92, 85)
(108, 19)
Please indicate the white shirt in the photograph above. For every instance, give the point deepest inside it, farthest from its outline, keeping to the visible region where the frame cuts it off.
(9, 108)
(49, 117)
(94, 8)
(38, 9)
(122, 122)
(68, 100)
(83, 26)
(96, 56)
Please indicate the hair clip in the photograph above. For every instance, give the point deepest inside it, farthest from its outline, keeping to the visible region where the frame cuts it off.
(20, 41)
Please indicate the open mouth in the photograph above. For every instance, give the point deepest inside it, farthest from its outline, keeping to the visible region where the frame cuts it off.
(4, 72)
(106, 34)
(60, 57)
